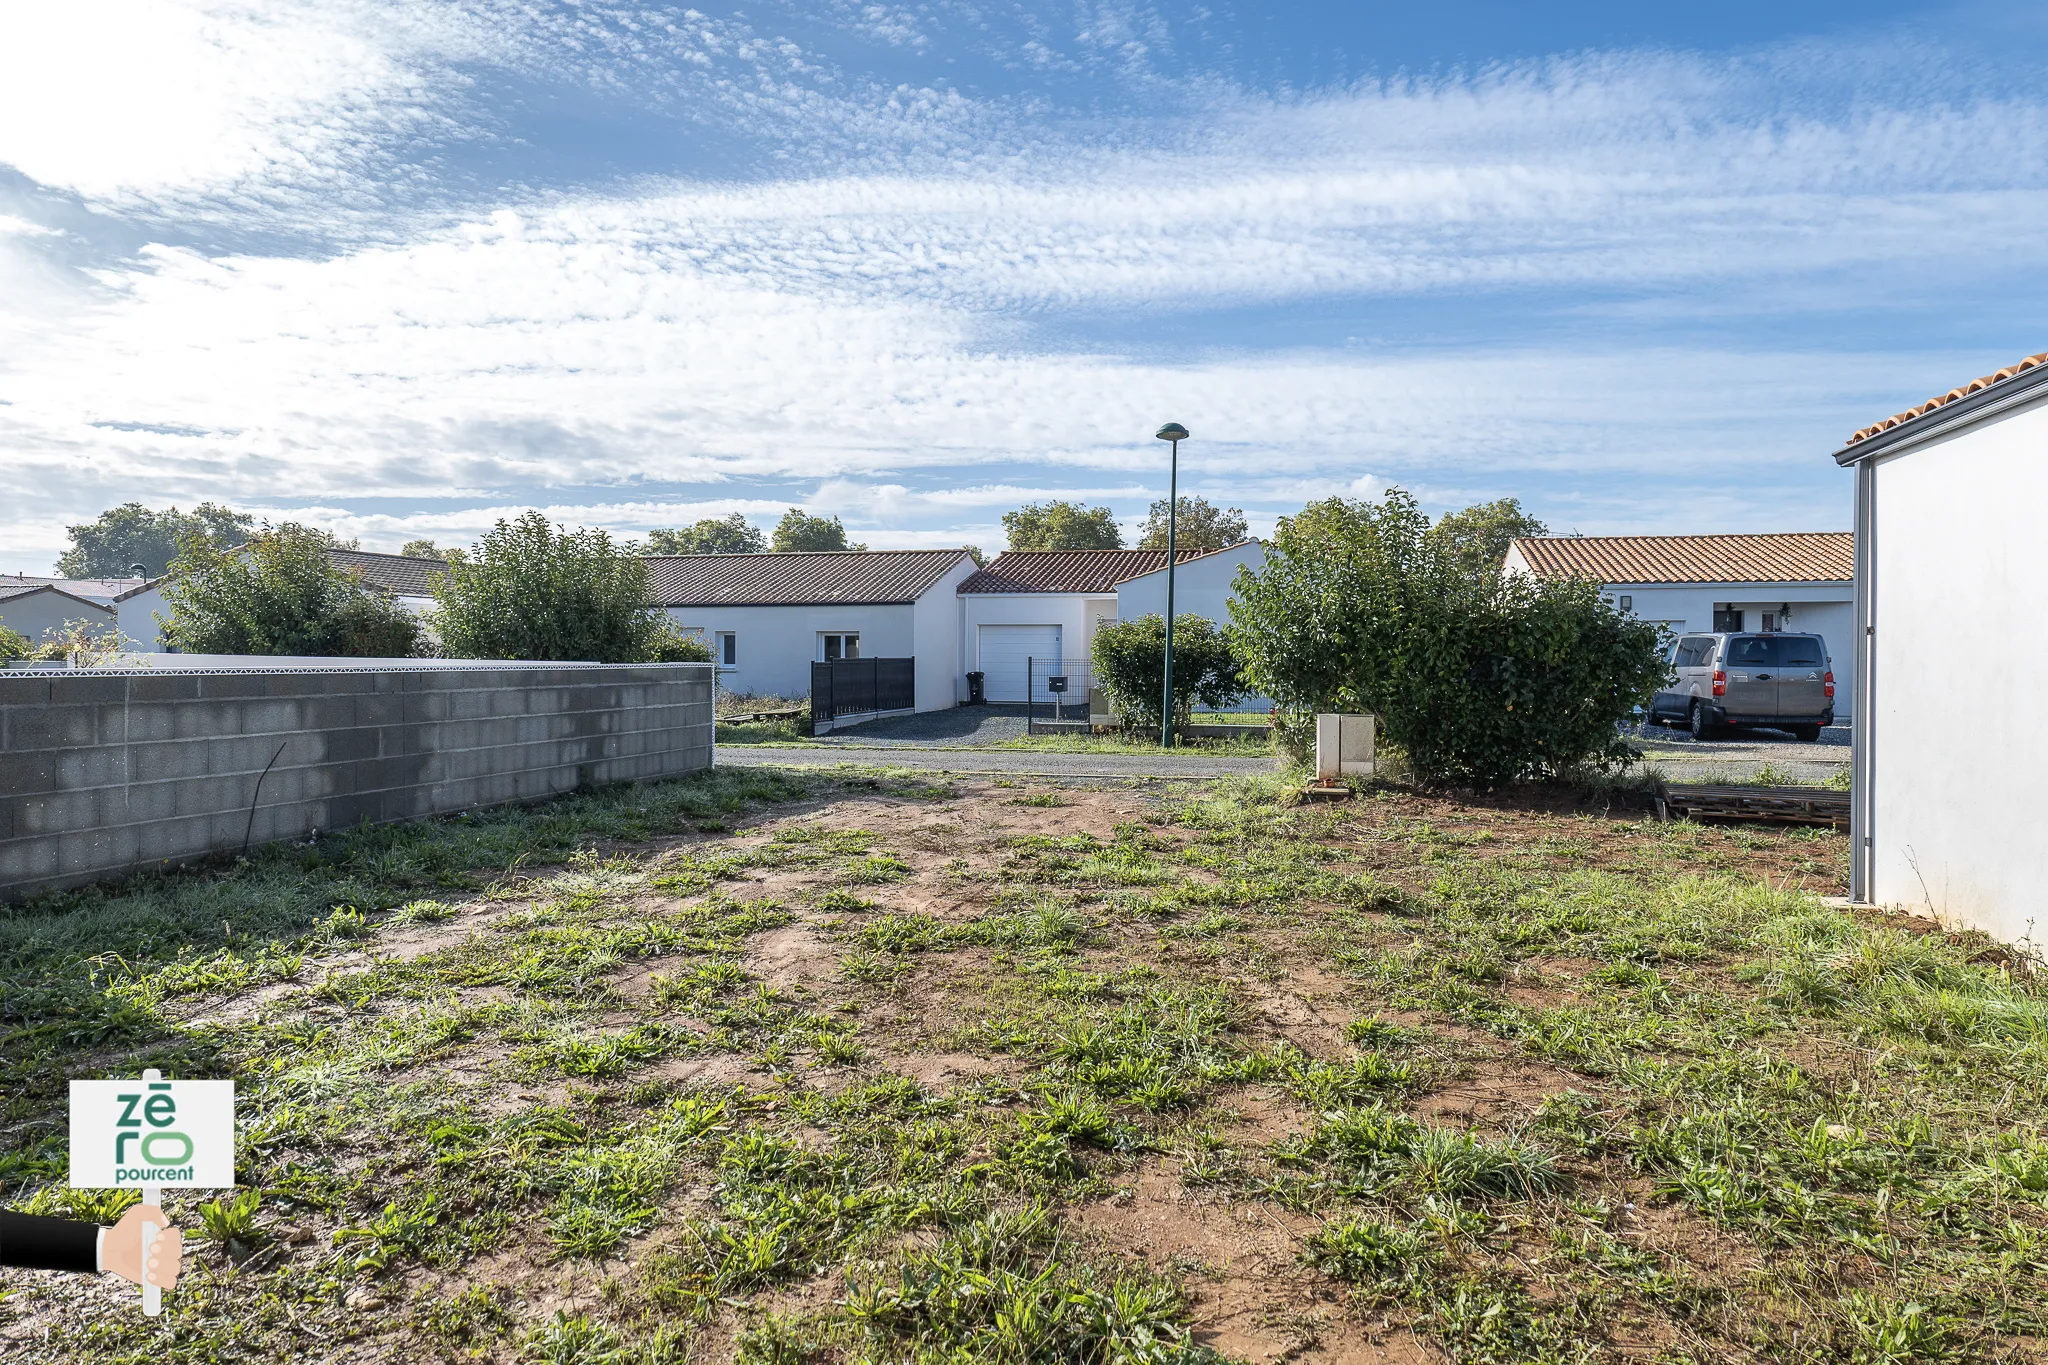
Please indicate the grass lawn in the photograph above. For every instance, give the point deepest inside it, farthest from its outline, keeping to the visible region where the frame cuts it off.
(777, 1066)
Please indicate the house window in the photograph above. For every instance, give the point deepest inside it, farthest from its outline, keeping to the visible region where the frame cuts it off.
(839, 645)
(728, 649)
(1627, 604)
(1727, 619)
(1773, 623)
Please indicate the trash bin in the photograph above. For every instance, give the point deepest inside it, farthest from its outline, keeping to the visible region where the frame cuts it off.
(975, 696)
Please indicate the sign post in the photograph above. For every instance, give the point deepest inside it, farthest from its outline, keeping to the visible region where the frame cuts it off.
(147, 1135)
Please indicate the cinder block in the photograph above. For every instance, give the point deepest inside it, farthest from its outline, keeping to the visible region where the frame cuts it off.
(32, 771)
(94, 765)
(51, 727)
(88, 689)
(155, 688)
(25, 861)
(168, 760)
(254, 753)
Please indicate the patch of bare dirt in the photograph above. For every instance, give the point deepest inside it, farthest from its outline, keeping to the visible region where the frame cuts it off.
(1251, 1299)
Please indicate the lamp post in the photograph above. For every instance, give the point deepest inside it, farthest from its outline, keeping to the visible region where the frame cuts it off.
(1176, 433)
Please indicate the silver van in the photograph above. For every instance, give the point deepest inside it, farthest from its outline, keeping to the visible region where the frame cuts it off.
(1781, 680)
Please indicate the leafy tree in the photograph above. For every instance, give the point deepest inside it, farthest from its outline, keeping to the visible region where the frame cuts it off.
(535, 591)
(1482, 533)
(1130, 667)
(1198, 525)
(1360, 607)
(727, 535)
(1060, 525)
(13, 645)
(799, 531)
(133, 534)
(280, 594)
(422, 549)
(974, 553)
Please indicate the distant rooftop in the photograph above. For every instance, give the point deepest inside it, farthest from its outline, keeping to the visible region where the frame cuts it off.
(1788, 557)
(851, 577)
(1070, 570)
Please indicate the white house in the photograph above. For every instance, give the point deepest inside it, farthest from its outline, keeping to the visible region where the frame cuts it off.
(1201, 585)
(100, 590)
(1950, 500)
(407, 578)
(39, 610)
(768, 617)
(1044, 605)
(1802, 581)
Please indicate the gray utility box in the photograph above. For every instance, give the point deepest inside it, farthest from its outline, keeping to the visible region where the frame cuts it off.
(1343, 746)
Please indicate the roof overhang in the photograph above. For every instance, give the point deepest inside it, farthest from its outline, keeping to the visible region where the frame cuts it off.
(1950, 416)
(826, 602)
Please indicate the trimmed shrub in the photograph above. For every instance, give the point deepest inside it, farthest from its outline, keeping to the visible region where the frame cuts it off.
(280, 594)
(1130, 667)
(1476, 676)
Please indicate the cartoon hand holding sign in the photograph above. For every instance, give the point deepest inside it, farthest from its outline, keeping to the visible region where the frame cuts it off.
(145, 1135)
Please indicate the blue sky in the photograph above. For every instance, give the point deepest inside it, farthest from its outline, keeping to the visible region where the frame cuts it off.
(403, 268)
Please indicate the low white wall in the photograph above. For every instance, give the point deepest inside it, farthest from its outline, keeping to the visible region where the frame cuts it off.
(1955, 742)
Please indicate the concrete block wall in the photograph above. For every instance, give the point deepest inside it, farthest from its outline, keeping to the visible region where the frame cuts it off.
(104, 772)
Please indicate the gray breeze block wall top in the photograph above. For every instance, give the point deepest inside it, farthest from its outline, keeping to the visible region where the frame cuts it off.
(107, 771)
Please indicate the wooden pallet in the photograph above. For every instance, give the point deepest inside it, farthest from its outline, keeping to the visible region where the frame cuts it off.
(1778, 805)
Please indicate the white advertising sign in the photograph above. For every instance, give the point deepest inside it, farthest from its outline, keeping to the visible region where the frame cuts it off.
(152, 1132)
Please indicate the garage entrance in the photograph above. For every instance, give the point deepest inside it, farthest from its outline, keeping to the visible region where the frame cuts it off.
(1005, 653)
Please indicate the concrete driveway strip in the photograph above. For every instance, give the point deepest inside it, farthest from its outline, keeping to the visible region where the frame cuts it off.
(999, 763)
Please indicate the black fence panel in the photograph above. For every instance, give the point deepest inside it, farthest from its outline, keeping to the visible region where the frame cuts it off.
(858, 687)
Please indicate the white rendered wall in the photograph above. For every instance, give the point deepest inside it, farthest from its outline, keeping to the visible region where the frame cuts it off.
(1956, 739)
(1200, 587)
(935, 620)
(37, 614)
(1074, 613)
(778, 644)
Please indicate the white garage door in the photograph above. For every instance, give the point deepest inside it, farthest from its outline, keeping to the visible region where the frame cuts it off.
(1004, 653)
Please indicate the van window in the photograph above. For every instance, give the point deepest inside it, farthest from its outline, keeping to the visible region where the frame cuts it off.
(1753, 651)
(1801, 651)
(1693, 651)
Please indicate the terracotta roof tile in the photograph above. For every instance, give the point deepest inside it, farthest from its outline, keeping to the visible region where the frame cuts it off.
(1794, 557)
(871, 577)
(1981, 382)
(1069, 570)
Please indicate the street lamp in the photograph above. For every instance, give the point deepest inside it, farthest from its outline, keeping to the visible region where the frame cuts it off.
(1176, 433)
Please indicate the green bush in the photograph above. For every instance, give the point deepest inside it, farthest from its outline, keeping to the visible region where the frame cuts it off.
(13, 646)
(1130, 667)
(1477, 676)
(535, 591)
(280, 594)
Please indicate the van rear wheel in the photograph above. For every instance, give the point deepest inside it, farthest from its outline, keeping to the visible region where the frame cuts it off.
(1806, 734)
(1702, 728)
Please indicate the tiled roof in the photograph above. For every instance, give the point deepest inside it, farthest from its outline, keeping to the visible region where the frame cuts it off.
(401, 574)
(11, 591)
(102, 590)
(1069, 570)
(1793, 557)
(852, 577)
(1981, 382)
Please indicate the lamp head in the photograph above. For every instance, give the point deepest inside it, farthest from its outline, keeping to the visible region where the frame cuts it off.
(1172, 431)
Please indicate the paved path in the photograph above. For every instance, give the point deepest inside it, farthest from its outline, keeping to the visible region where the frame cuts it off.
(975, 725)
(997, 761)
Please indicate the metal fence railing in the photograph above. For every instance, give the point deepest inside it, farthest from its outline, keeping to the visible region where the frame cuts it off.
(1063, 696)
(860, 687)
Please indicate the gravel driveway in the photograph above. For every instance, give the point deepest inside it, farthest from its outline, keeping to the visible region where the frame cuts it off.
(969, 725)
(1685, 759)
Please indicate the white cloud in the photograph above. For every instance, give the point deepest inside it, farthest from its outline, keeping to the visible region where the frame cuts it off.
(920, 344)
